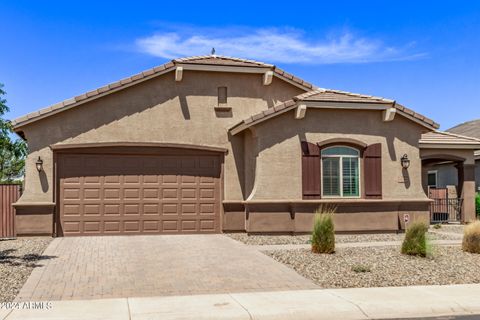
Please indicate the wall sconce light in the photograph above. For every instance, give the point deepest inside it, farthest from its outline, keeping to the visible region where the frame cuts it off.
(39, 164)
(405, 161)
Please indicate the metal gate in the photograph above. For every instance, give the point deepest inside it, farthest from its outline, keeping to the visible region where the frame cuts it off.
(9, 194)
(444, 209)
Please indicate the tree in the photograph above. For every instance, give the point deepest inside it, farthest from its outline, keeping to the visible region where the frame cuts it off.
(13, 151)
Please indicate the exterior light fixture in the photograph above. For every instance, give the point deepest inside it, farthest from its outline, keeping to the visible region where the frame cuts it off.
(39, 164)
(405, 161)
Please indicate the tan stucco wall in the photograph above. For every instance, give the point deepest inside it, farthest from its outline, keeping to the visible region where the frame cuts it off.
(278, 165)
(159, 110)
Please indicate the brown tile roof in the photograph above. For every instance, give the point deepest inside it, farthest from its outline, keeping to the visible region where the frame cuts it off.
(330, 95)
(150, 73)
(341, 96)
(446, 138)
(469, 128)
(223, 61)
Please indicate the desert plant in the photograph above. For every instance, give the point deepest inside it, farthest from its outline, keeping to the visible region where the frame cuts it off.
(323, 235)
(415, 242)
(471, 238)
(360, 268)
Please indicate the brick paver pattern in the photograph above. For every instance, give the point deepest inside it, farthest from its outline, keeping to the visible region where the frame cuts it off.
(135, 266)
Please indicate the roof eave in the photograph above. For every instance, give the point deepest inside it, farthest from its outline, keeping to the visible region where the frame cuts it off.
(243, 125)
(435, 145)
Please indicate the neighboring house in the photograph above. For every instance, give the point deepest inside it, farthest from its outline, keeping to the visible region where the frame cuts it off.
(446, 173)
(210, 144)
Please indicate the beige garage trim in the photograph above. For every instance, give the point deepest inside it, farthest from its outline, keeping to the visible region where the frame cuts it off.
(129, 190)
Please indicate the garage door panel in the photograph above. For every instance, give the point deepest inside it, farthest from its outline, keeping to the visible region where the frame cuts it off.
(189, 225)
(131, 193)
(150, 193)
(92, 209)
(189, 193)
(135, 194)
(169, 226)
(72, 209)
(111, 193)
(150, 178)
(207, 225)
(189, 208)
(111, 227)
(112, 209)
(112, 179)
(151, 209)
(169, 179)
(92, 226)
(71, 193)
(132, 226)
(169, 193)
(91, 193)
(151, 226)
(170, 208)
(132, 209)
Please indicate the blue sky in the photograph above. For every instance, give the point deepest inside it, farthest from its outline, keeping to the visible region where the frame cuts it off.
(424, 54)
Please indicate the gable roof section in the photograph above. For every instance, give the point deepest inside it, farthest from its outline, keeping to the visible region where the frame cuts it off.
(336, 96)
(213, 60)
(442, 139)
(469, 128)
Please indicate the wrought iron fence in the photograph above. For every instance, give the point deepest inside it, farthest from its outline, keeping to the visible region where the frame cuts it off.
(446, 210)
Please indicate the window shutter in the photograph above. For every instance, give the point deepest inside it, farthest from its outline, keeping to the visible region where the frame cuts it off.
(310, 171)
(373, 171)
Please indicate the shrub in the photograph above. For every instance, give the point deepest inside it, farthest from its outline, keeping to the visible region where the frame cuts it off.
(471, 238)
(415, 242)
(360, 268)
(323, 235)
(477, 204)
(437, 226)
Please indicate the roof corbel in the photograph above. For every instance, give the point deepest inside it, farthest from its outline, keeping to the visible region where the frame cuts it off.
(267, 78)
(389, 114)
(178, 74)
(300, 111)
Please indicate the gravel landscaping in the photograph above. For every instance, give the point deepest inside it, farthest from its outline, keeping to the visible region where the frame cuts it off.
(339, 238)
(17, 260)
(456, 229)
(382, 267)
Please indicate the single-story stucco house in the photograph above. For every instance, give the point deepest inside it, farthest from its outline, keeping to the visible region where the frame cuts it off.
(445, 174)
(209, 144)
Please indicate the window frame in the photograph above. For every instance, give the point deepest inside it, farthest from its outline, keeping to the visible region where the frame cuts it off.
(435, 172)
(222, 93)
(340, 157)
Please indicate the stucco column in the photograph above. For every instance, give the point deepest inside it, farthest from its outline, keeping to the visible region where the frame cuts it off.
(468, 192)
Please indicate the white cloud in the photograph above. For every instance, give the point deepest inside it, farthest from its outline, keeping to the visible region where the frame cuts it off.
(272, 45)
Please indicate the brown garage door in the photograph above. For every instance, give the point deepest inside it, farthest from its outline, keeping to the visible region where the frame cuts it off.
(102, 194)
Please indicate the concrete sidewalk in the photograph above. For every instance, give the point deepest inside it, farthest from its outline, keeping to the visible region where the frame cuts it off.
(364, 303)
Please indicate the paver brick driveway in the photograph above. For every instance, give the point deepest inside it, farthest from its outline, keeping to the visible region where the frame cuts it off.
(134, 266)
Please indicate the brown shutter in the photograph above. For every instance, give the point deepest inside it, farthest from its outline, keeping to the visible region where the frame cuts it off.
(373, 171)
(310, 171)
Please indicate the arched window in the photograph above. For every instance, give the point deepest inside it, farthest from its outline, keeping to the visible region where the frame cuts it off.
(340, 172)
